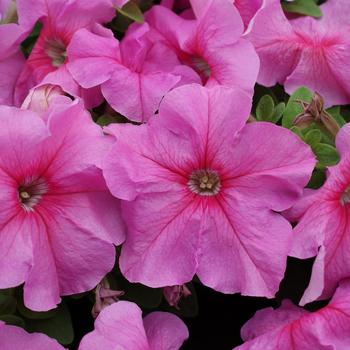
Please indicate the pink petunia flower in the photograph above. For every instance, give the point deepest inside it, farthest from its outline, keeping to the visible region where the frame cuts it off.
(47, 62)
(134, 76)
(57, 218)
(291, 327)
(305, 51)
(12, 337)
(212, 44)
(120, 326)
(323, 229)
(201, 189)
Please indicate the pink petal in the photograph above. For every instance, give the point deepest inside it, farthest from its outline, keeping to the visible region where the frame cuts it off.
(92, 57)
(165, 331)
(10, 69)
(343, 140)
(117, 326)
(12, 337)
(275, 181)
(290, 328)
(137, 95)
(243, 248)
(275, 42)
(162, 231)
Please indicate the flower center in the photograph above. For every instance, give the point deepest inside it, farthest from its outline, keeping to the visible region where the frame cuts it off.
(31, 192)
(201, 67)
(345, 197)
(204, 182)
(56, 50)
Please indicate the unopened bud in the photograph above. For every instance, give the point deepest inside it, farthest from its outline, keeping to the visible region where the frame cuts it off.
(104, 297)
(173, 294)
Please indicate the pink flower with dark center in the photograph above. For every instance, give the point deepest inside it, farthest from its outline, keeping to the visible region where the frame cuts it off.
(305, 51)
(12, 337)
(47, 62)
(212, 44)
(58, 221)
(323, 229)
(120, 326)
(291, 327)
(201, 191)
(134, 76)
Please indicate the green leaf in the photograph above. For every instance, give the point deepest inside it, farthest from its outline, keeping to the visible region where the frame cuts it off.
(294, 107)
(7, 304)
(326, 154)
(335, 113)
(59, 326)
(303, 7)
(313, 137)
(13, 320)
(297, 131)
(132, 11)
(265, 108)
(318, 179)
(277, 113)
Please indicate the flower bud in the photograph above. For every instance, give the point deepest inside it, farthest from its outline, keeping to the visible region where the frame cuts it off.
(104, 297)
(39, 99)
(173, 294)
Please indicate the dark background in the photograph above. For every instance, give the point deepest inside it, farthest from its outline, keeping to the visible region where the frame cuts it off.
(220, 317)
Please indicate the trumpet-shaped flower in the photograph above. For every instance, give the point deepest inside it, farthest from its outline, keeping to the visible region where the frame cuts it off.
(291, 327)
(211, 45)
(120, 326)
(57, 218)
(323, 229)
(202, 189)
(60, 19)
(134, 76)
(305, 51)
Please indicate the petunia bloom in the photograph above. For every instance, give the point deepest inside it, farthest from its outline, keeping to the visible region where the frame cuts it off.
(323, 229)
(201, 191)
(12, 337)
(212, 44)
(46, 63)
(291, 327)
(305, 51)
(134, 76)
(58, 221)
(120, 326)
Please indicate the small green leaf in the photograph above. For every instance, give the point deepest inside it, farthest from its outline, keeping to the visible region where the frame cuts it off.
(132, 11)
(59, 326)
(303, 7)
(294, 108)
(326, 154)
(297, 131)
(317, 180)
(277, 113)
(7, 304)
(335, 113)
(13, 320)
(265, 108)
(313, 137)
